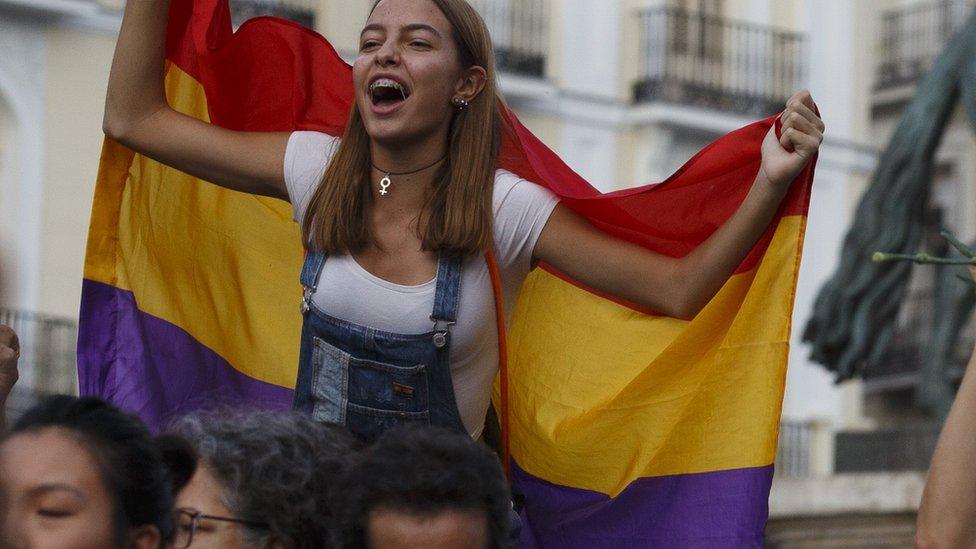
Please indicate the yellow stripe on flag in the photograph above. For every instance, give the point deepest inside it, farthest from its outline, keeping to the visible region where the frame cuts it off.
(653, 396)
(183, 246)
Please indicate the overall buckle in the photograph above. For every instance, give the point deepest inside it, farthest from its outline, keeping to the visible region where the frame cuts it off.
(441, 328)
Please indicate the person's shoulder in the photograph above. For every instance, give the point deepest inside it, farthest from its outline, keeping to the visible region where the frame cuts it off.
(505, 182)
(508, 186)
(313, 141)
(307, 156)
(308, 153)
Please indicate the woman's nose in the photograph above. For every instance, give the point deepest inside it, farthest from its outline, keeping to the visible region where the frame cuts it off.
(387, 54)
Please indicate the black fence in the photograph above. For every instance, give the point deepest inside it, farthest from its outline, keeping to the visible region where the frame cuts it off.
(912, 37)
(300, 11)
(520, 32)
(905, 449)
(706, 60)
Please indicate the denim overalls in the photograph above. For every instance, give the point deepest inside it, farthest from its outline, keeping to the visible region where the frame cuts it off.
(370, 380)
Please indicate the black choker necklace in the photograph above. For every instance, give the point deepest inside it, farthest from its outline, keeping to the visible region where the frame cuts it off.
(386, 182)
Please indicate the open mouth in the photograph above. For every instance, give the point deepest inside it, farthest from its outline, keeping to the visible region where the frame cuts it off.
(386, 93)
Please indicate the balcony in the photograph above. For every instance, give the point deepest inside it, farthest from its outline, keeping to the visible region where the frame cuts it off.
(520, 33)
(709, 61)
(911, 39)
(299, 11)
(47, 357)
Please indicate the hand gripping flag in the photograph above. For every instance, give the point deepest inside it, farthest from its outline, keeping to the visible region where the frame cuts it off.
(628, 428)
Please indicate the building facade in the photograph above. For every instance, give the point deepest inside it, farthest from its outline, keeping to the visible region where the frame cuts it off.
(625, 91)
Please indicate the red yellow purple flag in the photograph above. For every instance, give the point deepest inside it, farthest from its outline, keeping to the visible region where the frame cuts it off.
(628, 428)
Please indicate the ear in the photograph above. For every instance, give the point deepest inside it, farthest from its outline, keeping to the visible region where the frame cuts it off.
(146, 537)
(471, 82)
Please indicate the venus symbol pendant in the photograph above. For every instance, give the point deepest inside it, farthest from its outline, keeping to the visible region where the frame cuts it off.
(384, 185)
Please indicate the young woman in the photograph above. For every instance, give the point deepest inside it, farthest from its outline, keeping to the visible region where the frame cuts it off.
(397, 214)
(79, 473)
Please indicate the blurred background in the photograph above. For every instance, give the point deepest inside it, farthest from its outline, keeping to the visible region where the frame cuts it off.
(625, 91)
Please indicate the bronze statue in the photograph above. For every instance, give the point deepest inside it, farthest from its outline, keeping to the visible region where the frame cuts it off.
(853, 321)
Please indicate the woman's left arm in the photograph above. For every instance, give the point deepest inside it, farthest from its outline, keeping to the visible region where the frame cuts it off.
(681, 287)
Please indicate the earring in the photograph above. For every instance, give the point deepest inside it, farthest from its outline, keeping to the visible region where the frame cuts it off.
(460, 103)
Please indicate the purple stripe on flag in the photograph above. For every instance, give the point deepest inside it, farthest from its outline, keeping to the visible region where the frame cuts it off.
(154, 369)
(715, 509)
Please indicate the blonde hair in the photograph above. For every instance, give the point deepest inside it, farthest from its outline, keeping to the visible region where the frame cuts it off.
(457, 215)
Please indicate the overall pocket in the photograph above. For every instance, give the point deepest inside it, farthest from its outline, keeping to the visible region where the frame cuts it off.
(367, 396)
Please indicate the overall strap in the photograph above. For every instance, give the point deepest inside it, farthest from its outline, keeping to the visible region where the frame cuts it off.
(311, 270)
(314, 261)
(496, 286)
(447, 294)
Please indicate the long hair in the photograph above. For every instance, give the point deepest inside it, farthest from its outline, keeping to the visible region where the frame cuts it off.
(457, 214)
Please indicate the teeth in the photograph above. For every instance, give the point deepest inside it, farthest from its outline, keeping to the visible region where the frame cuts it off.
(387, 83)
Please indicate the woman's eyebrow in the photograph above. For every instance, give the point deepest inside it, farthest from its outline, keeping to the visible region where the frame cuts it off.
(371, 27)
(420, 27)
(406, 28)
(55, 487)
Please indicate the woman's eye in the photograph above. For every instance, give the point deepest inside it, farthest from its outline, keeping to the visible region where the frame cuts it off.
(205, 528)
(419, 44)
(54, 513)
(368, 45)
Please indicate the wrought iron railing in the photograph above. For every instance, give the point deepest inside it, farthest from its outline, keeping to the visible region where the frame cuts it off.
(912, 37)
(300, 11)
(520, 32)
(706, 60)
(794, 448)
(47, 359)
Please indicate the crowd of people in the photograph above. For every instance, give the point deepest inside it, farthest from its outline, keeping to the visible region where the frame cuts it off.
(77, 472)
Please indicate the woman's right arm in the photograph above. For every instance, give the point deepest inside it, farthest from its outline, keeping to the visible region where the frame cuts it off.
(138, 116)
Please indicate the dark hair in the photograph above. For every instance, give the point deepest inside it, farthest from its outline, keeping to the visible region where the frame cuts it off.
(275, 468)
(180, 459)
(424, 471)
(130, 464)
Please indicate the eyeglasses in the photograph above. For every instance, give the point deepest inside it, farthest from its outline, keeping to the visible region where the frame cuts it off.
(187, 521)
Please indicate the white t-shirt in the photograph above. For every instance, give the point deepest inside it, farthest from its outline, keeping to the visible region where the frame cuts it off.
(349, 292)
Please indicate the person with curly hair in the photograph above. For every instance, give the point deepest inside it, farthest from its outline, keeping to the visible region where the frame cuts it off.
(263, 479)
(78, 473)
(424, 488)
